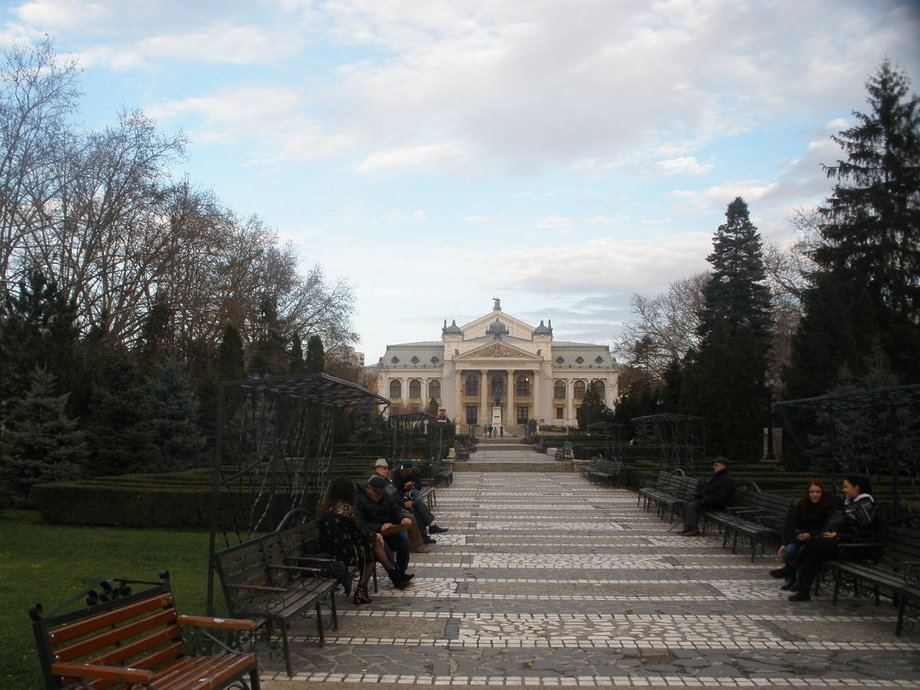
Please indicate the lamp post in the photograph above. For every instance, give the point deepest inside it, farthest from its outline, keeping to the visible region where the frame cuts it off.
(768, 383)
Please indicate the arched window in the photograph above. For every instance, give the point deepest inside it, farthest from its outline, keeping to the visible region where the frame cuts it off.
(434, 390)
(598, 386)
(522, 390)
(498, 385)
(579, 390)
(559, 390)
(395, 389)
(472, 384)
(415, 389)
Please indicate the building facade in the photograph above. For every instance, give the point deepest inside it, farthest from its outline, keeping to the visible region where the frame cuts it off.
(497, 370)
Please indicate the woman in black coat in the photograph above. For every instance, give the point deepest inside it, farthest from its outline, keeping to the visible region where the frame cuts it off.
(811, 515)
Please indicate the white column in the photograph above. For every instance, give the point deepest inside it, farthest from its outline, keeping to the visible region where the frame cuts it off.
(459, 414)
(511, 417)
(569, 399)
(484, 397)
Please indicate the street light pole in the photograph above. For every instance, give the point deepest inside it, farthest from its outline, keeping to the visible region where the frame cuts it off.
(768, 382)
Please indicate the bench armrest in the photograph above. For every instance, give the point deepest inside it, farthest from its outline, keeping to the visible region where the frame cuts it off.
(311, 559)
(295, 568)
(258, 588)
(217, 623)
(115, 673)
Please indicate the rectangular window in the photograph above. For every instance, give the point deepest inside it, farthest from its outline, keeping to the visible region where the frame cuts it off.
(559, 412)
(471, 414)
(523, 414)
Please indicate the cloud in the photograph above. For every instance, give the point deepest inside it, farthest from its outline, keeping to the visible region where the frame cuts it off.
(401, 217)
(269, 118)
(445, 154)
(687, 165)
(554, 223)
(610, 266)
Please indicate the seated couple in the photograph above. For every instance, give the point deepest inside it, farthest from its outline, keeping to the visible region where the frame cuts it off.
(825, 534)
(351, 525)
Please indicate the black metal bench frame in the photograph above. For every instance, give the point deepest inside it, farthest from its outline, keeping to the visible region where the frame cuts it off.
(893, 570)
(260, 585)
(758, 517)
(602, 471)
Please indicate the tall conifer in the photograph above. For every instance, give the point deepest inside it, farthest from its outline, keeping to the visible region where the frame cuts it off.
(724, 382)
(864, 299)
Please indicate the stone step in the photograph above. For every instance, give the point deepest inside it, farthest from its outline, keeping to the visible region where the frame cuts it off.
(499, 466)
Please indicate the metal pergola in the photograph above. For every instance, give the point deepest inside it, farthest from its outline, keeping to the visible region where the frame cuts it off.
(274, 446)
(681, 439)
(614, 436)
(412, 435)
(872, 432)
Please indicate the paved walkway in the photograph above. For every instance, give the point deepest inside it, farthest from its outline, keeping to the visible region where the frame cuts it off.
(545, 579)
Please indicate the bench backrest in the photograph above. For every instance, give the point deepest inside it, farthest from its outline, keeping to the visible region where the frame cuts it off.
(901, 546)
(136, 630)
(243, 564)
(681, 485)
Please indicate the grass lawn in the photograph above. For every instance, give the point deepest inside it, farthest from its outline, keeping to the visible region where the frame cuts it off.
(50, 563)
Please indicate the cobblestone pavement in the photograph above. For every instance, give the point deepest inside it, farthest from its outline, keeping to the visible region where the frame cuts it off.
(546, 579)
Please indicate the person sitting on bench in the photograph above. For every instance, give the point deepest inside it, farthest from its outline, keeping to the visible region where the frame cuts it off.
(854, 523)
(380, 513)
(405, 479)
(345, 537)
(714, 496)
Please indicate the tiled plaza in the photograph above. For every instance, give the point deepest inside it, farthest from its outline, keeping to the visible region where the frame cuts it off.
(546, 579)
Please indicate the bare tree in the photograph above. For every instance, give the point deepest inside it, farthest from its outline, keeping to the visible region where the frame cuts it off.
(666, 327)
(106, 237)
(37, 94)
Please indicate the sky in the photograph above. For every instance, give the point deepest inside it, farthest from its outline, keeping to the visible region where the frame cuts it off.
(561, 155)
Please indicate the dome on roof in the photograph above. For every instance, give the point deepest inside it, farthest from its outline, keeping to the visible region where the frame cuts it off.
(497, 328)
(543, 330)
(453, 329)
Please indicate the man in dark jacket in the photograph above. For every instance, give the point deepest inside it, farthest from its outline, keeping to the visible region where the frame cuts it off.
(379, 512)
(714, 496)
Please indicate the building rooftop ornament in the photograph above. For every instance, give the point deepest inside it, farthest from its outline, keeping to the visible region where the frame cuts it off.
(453, 329)
(497, 329)
(543, 330)
(497, 304)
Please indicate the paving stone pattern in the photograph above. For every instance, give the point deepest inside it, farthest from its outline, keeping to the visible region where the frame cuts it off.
(546, 579)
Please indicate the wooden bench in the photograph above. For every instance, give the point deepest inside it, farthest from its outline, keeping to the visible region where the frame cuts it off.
(893, 569)
(260, 585)
(754, 515)
(125, 638)
(602, 471)
(670, 492)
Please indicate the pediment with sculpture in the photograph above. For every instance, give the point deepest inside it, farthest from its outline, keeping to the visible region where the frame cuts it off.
(498, 351)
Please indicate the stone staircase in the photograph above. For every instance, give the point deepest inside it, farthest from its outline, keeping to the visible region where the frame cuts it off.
(509, 455)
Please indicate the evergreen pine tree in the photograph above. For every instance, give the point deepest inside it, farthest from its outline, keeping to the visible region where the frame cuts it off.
(114, 412)
(41, 443)
(735, 329)
(171, 412)
(592, 410)
(868, 253)
(37, 329)
(231, 364)
(298, 365)
(315, 362)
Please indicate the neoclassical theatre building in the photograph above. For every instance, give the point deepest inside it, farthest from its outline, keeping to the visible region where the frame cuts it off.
(497, 370)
